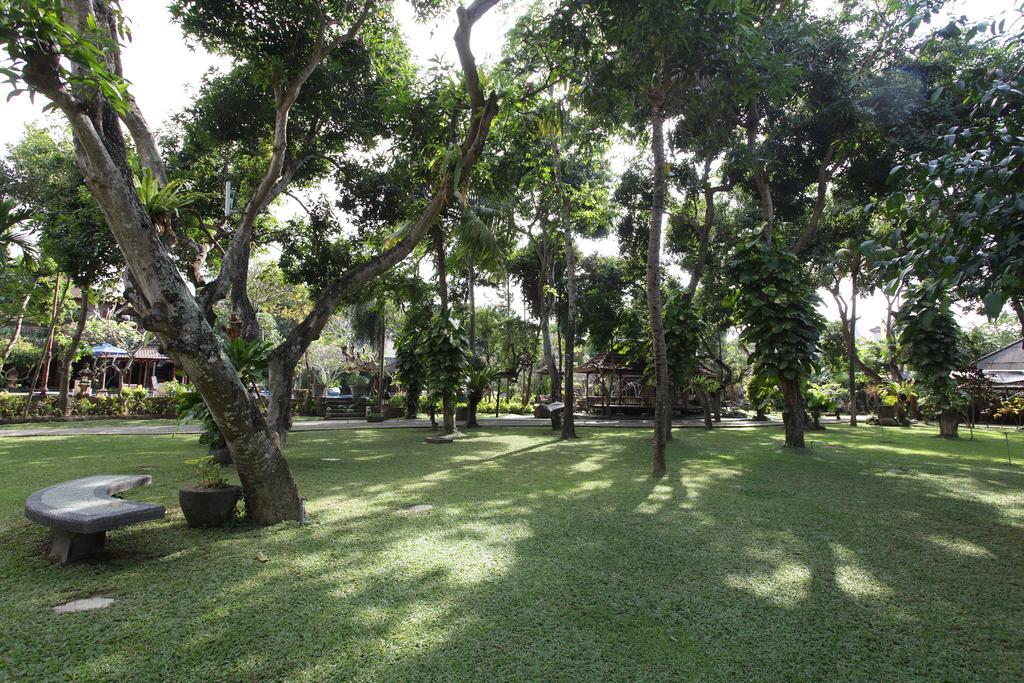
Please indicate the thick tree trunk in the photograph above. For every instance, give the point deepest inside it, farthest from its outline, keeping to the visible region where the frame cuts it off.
(471, 412)
(19, 321)
(69, 355)
(662, 411)
(794, 416)
(448, 407)
(948, 424)
(169, 310)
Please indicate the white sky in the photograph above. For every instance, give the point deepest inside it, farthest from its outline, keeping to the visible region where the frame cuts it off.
(163, 71)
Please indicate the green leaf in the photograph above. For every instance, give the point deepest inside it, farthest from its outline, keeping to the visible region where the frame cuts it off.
(994, 302)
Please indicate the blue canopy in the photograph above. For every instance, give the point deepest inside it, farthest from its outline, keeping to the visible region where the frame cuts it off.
(108, 350)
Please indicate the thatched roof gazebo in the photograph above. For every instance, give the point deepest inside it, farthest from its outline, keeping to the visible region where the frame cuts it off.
(610, 366)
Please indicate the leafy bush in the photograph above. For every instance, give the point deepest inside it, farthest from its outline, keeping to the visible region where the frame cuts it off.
(930, 341)
(444, 346)
(208, 473)
(130, 402)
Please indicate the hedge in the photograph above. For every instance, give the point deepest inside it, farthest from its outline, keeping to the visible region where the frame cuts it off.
(129, 402)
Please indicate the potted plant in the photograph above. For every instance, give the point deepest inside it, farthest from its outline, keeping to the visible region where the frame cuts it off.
(373, 413)
(821, 398)
(211, 501)
(395, 407)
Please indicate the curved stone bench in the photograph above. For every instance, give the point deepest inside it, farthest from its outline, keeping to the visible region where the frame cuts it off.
(80, 512)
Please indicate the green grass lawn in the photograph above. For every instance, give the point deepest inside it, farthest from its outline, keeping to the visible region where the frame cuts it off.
(874, 555)
(75, 424)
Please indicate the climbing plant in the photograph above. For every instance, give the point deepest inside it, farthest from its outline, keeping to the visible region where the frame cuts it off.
(444, 347)
(776, 303)
(929, 340)
(409, 367)
(682, 336)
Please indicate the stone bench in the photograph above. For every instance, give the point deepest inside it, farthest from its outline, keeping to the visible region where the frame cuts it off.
(80, 512)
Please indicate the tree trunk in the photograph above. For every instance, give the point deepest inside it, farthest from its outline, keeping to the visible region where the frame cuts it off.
(380, 360)
(440, 267)
(705, 403)
(19, 321)
(568, 417)
(716, 404)
(794, 416)
(471, 410)
(668, 416)
(447, 404)
(167, 308)
(948, 424)
(757, 170)
(286, 356)
(72, 351)
(1018, 307)
(241, 306)
(852, 347)
(44, 380)
(662, 411)
(471, 295)
(43, 368)
(528, 387)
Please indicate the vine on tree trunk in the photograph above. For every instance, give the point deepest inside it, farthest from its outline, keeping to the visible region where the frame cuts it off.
(776, 302)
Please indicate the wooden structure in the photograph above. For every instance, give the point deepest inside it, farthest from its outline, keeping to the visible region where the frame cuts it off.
(619, 388)
(115, 368)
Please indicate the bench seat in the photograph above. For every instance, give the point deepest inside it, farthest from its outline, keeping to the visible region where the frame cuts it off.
(80, 512)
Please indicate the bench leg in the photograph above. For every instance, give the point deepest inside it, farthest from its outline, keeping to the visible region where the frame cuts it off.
(67, 547)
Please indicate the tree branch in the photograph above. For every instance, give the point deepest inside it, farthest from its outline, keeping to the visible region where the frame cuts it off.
(825, 171)
(278, 174)
(472, 145)
(757, 170)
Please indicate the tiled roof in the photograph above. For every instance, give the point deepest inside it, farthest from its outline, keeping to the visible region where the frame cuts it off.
(1007, 358)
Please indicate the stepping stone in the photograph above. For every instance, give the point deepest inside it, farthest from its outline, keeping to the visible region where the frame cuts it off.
(84, 605)
(417, 509)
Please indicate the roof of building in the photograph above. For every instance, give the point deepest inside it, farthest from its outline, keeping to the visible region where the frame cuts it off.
(1005, 366)
(148, 352)
(609, 361)
(1010, 357)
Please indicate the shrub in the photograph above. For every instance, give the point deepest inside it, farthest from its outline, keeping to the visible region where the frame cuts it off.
(130, 402)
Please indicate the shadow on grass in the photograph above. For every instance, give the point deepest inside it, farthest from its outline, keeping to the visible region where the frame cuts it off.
(548, 560)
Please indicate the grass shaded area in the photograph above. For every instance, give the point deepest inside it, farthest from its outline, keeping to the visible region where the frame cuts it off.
(876, 554)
